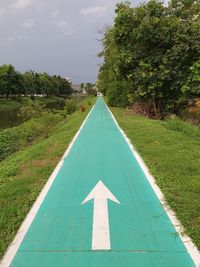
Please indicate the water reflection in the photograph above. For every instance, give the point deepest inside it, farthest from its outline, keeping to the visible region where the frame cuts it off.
(10, 118)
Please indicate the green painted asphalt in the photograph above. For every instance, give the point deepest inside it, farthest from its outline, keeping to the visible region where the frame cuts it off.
(141, 233)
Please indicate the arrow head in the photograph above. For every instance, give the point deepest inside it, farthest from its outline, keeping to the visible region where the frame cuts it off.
(100, 192)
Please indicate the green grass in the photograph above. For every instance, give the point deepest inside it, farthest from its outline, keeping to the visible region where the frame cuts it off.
(24, 173)
(171, 150)
(187, 129)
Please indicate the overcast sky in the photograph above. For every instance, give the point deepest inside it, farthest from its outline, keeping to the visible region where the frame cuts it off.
(56, 36)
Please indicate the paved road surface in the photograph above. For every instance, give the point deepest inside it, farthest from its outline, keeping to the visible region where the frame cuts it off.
(129, 227)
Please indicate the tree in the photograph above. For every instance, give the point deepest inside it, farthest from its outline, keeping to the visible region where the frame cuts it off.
(31, 83)
(82, 85)
(10, 81)
(64, 86)
(89, 87)
(151, 49)
(192, 87)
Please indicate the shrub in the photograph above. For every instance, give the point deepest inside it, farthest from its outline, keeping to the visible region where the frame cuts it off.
(82, 108)
(47, 122)
(13, 139)
(9, 142)
(117, 93)
(31, 110)
(70, 107)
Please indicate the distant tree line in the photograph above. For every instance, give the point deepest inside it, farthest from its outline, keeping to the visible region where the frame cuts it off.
(14, 83)
(152, 55)
(89, 88)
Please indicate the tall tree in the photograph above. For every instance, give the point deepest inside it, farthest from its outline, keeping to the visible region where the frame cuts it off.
(150, 50)
(10, 81)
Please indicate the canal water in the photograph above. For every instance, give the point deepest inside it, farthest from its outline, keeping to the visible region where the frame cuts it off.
(10, 118)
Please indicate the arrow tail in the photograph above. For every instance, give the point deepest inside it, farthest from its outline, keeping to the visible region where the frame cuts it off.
(101, 231)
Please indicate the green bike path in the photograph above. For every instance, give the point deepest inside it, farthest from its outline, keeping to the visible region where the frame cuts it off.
(140, 232)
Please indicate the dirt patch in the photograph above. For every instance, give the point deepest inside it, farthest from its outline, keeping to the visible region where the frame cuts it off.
(51, 148)
(39, 162)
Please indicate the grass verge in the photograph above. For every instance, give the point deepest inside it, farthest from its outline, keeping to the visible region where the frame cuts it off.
(24, 173)
(171, 150)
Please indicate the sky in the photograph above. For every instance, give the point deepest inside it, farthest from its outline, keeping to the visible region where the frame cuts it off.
(55, 36)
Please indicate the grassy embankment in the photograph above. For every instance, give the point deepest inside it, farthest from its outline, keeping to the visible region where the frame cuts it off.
(24, 173)
(171, 150)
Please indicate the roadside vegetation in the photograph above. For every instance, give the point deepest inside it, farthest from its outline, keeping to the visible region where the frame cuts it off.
(171, 150)
(152, 57)
(21, 90)
(30, 153)
(16, 138)
(16, 85)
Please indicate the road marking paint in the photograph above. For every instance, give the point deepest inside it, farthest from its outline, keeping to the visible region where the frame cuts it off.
(101, 230)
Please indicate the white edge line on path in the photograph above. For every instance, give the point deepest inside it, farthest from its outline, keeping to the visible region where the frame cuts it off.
(190, 246)
(14, 246)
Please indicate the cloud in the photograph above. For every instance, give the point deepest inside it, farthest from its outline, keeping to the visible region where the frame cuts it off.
(55, 14)
(2, 11)
(10, 40)
(28, 23)
(94, 11)
(21, 4)
(41, 5)
(65, 26)
(62, 23)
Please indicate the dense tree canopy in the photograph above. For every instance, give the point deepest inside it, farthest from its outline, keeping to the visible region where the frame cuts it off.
(151, 55)
(14, 83)
(10, 81)
(89, 88)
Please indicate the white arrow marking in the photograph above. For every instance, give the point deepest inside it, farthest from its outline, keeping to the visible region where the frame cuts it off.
(101, 230)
